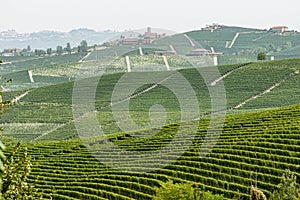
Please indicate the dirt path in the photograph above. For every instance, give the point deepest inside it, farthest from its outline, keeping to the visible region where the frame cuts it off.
(127, 60)
(17, 61)
(142, 92)
(258, 95)
(172, 49)
(189, 39)
(3, 88)
(18, 98)
(141, 51)
(261, 37)
(214, 83)
(30, 76)
(234, 40)
(83, 59)
(48, 132)
(166, 63)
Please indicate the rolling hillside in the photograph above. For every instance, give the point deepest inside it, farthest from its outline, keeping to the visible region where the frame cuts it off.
(221, 128)
(248, 87)
(248, 43)
(258, 144)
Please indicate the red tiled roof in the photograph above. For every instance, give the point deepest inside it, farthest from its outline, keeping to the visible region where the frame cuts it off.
(279, 27)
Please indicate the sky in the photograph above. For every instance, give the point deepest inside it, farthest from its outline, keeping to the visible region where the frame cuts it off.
(176, 15)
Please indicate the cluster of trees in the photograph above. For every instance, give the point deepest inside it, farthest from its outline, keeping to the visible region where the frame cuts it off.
(83, 47)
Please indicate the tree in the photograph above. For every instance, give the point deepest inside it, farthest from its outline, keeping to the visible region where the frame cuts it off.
(261, 56)
(28, 48)
(83, 46)
(17, 167)
(39, 52)
(3, 106)
(288, 188)
(79, 48)
(14, 168)
(49, 51)
(59, 50)
(68, 48)
(2, 157)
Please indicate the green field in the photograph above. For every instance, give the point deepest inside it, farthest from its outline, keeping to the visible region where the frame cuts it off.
(244, 83)
(263, 143)
(249, 43)
(219, 128)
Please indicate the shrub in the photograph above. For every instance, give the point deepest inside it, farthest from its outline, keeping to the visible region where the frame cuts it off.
(256, 194)
(288, 189)
(171, 191)
(261, 56)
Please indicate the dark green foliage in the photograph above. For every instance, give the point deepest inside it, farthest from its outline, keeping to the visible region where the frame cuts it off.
(83, 47)
(68, 48)
(49, 51)
(14, 169)
(176, 191)
(261, 56)
(59, 50)
(288, 188)
(171, 191)
(17, 167)
(265, 141)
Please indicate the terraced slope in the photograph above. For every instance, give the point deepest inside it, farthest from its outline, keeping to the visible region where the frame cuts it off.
(260, 144)
(252, 86)
(248, 43)
(34, 62)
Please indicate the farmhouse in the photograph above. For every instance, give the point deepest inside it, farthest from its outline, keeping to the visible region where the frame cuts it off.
(279, 29)
(131, 41)
(10, 52)
(7, 54)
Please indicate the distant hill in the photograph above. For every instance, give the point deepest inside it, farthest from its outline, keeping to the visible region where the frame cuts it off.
(50, 39)
(247, 42)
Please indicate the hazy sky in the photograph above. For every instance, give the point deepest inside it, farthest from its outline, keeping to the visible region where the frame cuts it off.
(176, 15)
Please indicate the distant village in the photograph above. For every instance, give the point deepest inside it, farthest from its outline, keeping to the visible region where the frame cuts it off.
(148, 38)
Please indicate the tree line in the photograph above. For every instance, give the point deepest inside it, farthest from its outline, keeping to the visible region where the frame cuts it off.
(82, 47)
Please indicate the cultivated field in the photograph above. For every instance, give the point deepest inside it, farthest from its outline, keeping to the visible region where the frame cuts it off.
(176, 104)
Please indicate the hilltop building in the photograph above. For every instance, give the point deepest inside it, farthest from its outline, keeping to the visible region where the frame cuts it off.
(279, 29)
(212, 27)
(147, 38)
(11, 52)
(131, 41)
(149, 34)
